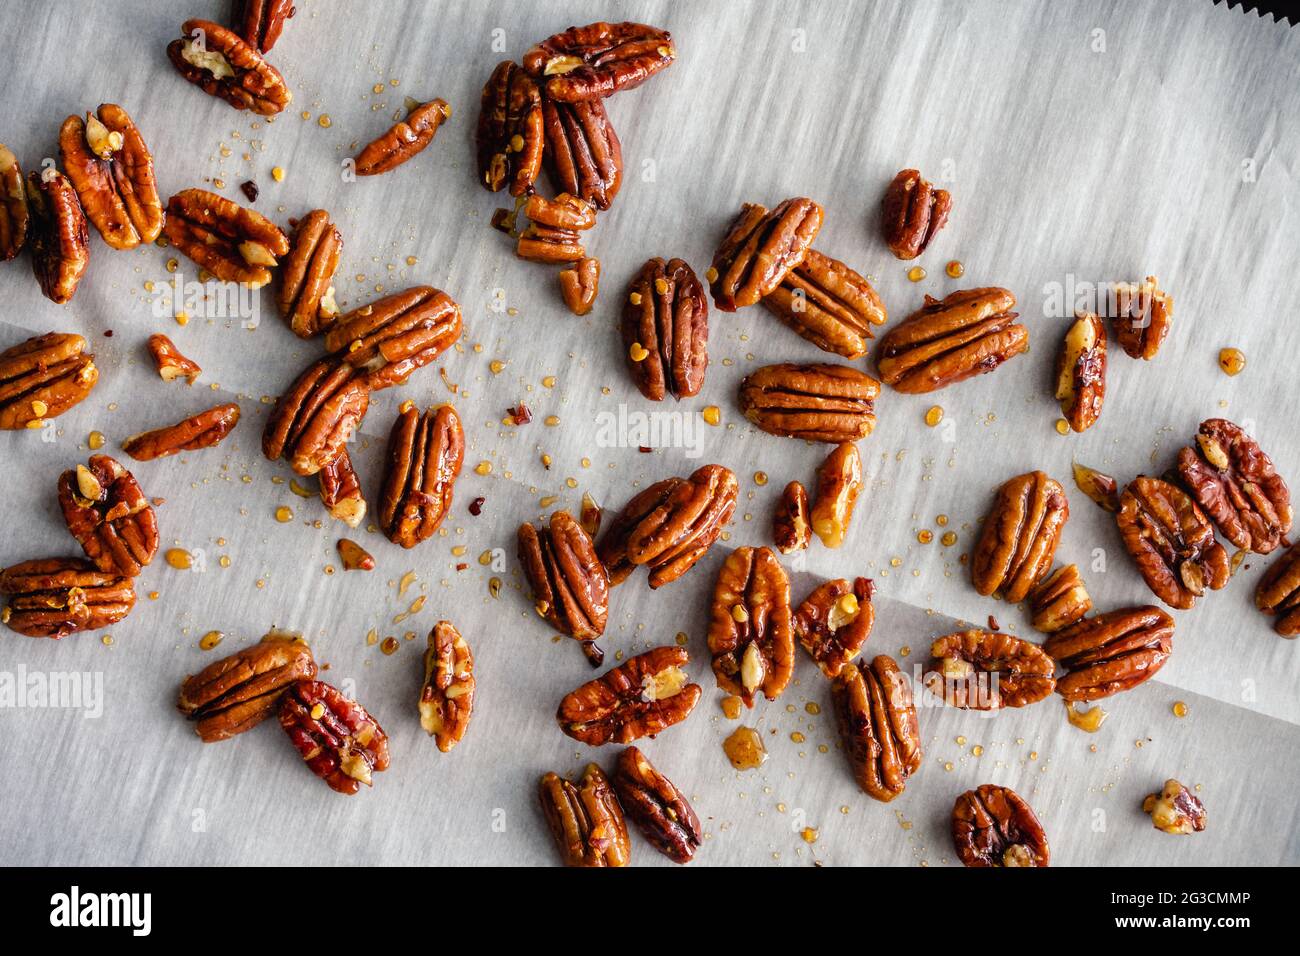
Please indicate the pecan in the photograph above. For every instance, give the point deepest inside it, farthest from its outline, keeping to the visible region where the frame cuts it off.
(824, 402)
(340, 491)
(305, 295)
(232, 242)
(598, 60)
(1278, 592)
(341, 743)
(169, 361)
(221, 64)
(55, 597)
(760, 249)
(643, 696)
(967, 333)
(660, 811)
(262, 21)
(751, 636)
(552, 232)
(993, 826)
(316, 417)
(509, 137)
(404, 139)
(570, 585)
(109, 515)
(112, 170)
(1081, 372)
(354, 557)
(579, 284)
(586, 820)
(1020, 536)
(1175, 809)
(1235, 482)
(238, 692)
(1172, 542)
(13, 205)
(834, 621)
(912, 212)
(447, 694)
(1097, 485)
(203, 430)
(1111, 652)
(1141, 317)
(988, 670)
(839, 480)
(666, 330)
(583, 154)
(612, 549)
(829, 304)
(877, 724)
(791, 526)
(1059, 600)
(425, 453)
(57, 230)
(391, 338)
(43, 377)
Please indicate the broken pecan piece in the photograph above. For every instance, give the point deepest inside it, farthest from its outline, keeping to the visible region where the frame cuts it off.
(425, 453)
(751, 636)
(791, 526)
(585, 820)
(1175, 809)
(824, 402)
(55, 597)
(834, 622)
(391, 338)
(1172, 542)
(60, 240)
(13, 205)
(262, 21)
(1097, 485)
(570, 586)
(660, 811)
(1081, 372)
(643, 696)
(666, 330)
(598, 60)
(42, 378)
(340, 491)
(554, 224)
(583, 154)
(404, 139)
(1020, 535)
(579, 284)
(988, 670)
(1141, 317)
(313, 421)
(447, 694)
(340, 742)
(1278, 592)
(912, 212)
(839, 480)
(222, 64)
(877, 723)
(1059, 601)
(1111, 652)
(108, 514)
(203, 430)
(238, 692)
(760, 249)
(169, 361)
(305, 296)
(112, 170)
(509, 136)
(234, 243)
(993, 826)
(829, 304)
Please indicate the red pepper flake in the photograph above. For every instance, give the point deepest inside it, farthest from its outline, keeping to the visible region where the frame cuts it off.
(462, 566)
(250, 190)
(644, 449)
(108, 333)
(476, 506)
(993, 624)
(521, 415)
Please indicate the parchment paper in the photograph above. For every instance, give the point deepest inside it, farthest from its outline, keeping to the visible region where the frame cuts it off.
(1083, 142)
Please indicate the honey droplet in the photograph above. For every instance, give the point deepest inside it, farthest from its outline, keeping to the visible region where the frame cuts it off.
(224, 561)
(548, 382)
(390, 645)
(483, 468)
(809, 835)
(107, 640)
(1062, 427)
(682, 639)
(797, 737)
(731, 706)
(1180, 709)
(551, 421)
(941, 520)
(760, 478)
(302, 491)
(712, 414)
(949, 539)
(925, 536)
(496, 366)
(325, 121)
(283, 513)
(1089, 720)
(934, 415)
(1232, 361)
(977, 751)
(744, 748)
(178, 558)
(955, 269)
(95, 441)
(916, 274)
(210, 640)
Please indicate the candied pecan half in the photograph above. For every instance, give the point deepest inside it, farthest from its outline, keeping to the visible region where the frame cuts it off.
(643, 696)
(839, 480)
(552, 232)
(760, 249)
(391, 338)
(583, 154)
(234, 243)
(55, 597)
(824, 402)
(42, 378)
(791, 525)
(570, 585)
(340, 742)
(238, 692)
(877, 722)
(509, 137)
(1020, 535)
(203, 430)
(404, 139)
(1059, 600)
(340, 491)
(585, 820)
(313, 421)
(912, 212)
(1141, 317)
(169, 361)
(751, 636)
(262, 21)
(666, 330)
(1111, 652)
(1175, 809)
(1097, 485)
(598, 60)
(829, 304)
(1235, 482)
(447, 694)
(579, 284)
(988, 670)
(660, 811)
(1172, 542)
(112, 170)
(834, 622)
(993, 826)
(13, 205)
(612, 549)
(60, 240)
(305, 296)
(1278, 592)
(108, 514)
(221, 64)
(1081, 372)
(425, 453)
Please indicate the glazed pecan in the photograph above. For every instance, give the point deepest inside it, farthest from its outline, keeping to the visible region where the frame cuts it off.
(1141, 317)
(1235, 482)
(554, 224)
(55, 597)
(108, 514)
(1020, 535)
(42, 378)
(112, 170)
(579, 284)
(967, 333)
(791, 525)
(834, 621)
(666, 330)
(583, 154)
(1111, 652)
(391, 338)
(262, 21)
(751, 636)
(340, 491)
(1097, 485)
(1081, 372)
(447, 694)
(570, 585)
(1172, 542)
(586, 820)
(425, 453)
(643, 696)
(169, 361)
(60, 241)
(317, 416)
(340, 742)
(660, 811)
(305, 296)
(404, 139)
(598, 60)
(612, 549)
(839, 480)
(238, 692)
(829, 304)
(221, 64)
(203, 430)
(353, 556)
(232, 242)
(877, 722)
(760, 249)
(912, 212)
(13, 205)
(509, 136)
(993, 826)
(1059, 600)
(1175, 809)
(824, 402)
(988, 670)
(1278, 592)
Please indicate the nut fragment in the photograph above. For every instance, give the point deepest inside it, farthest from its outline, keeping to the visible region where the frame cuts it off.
(262, 21)
(988, 670)
(354, 557)
(447, 694)
(13, 205)
(751, 636)
(203, 430)
(404, 139)
(169, 361)
(877, 723)
(1172, 542)
(43, 377)
(570, 586)
(791, 525)
(1059, 601)
(221, 64)
(1099, 486)
(1141, 317)
(1278, 592)
(993, 826)
(829, 304)
(304, 295)
(579, 284)
(1175, 809)
(824, 402)
(554, 224)
(583, 154)
(598, 60)
(313, 421)
(116, 527)
(234, 243)
(340, 491)
(660, 811)
(643, 696)
(839, 481)
(425, 453)
(1081, 372)
(509, 136)
(340, 742)
(667, 316)
(834, 622)
(912, 212)
(585, 820)
(112, 170)
(1111, 652)
(391, 338)
(760, 249)
(55, 597)
(60, 241)
(1020, 535)
(238, 692)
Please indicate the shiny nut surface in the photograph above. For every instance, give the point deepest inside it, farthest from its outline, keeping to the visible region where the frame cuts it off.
(509, 139)
(839, 482)
(911, 213)
(988, 670)
(583, 155)
(876, 717)
(1141, 317)
(751, 634)
(599, 59)
(447, 693)
(238, 692)
(169, 361)
(641, 697)
(829, 304)
(791, 523)
(203, 430)
(1175, 809)
(1081, 372)
(338, 740)
(234, 243)
(43, 377)
(570, 586)
(553, 233)
(1111, 652)
(425, 453)
(111, 168)
(585, 819)
(1020, 535)
(108, 514)
(1059, 600)
(340, 491)
(393, 336)
(304, 296)
(55, 597)
(1171, 541)
(222, 64)
(666, 330)
(823, 402)
(834, 621)
(760, 249)
(261, 22)
(14, 215)
(993, 826)
(57, 234)
(658, 809)
(404, 139)
(1278, 592)
(313, 421)
(579, 284)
